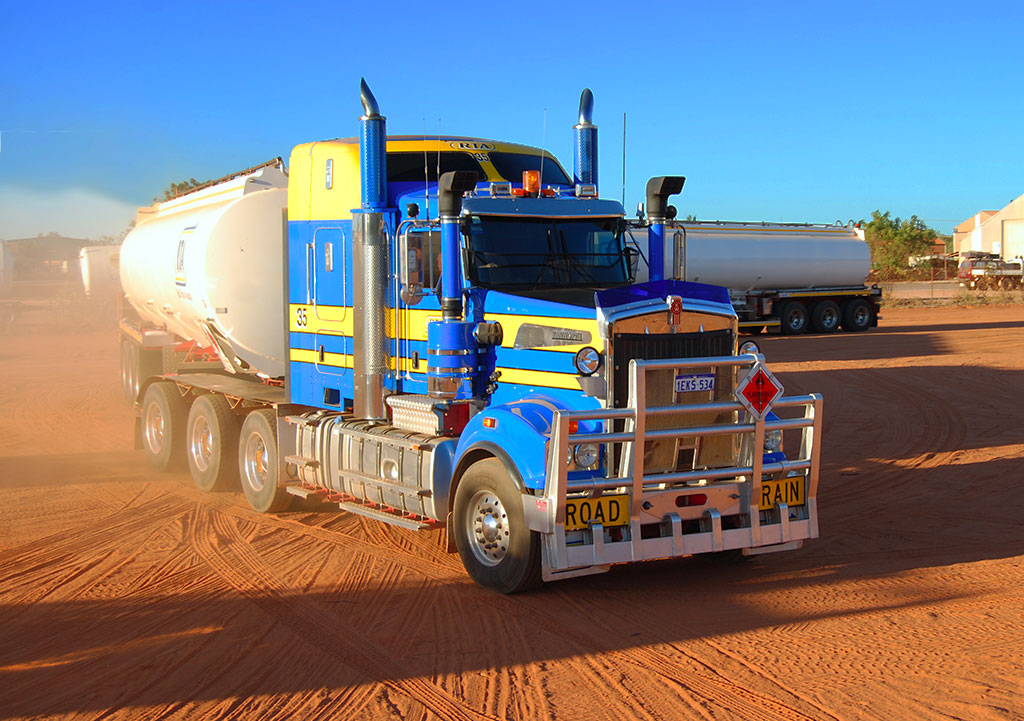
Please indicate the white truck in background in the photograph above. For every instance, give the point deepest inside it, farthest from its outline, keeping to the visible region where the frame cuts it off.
(796, 277)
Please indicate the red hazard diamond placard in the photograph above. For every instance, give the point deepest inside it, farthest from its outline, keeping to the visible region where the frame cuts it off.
(758, 390)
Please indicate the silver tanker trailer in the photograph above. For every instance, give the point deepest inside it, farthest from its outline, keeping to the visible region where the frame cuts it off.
(792, 276)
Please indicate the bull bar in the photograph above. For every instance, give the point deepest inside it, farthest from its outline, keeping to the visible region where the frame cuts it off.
(546, 512)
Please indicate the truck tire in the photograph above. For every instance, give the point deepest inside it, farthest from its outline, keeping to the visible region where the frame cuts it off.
(212, 443)
(497, 549)
(257, 463)
(825, 316)
(163, 426)
(857, 315)
(793, 318)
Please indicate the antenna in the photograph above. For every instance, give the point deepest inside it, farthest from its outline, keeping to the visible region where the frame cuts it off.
(543, 140)
(426, 172)
(623, 160)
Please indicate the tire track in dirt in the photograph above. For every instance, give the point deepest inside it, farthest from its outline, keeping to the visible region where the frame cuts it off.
(701, 679)
(46, 565)
(317, 627)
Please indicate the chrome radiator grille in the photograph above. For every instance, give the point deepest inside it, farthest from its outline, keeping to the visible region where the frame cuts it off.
(643, 346)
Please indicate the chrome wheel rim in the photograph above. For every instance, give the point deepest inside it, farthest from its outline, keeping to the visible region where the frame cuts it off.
(201, 443)
(154, 429)
(256, 462)
(861, 316)
(487, 528)
(830, 318)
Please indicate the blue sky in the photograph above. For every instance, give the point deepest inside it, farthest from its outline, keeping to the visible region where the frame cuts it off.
(809, 112)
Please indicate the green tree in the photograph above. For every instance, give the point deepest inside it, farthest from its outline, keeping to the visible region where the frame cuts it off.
(892, 241)
(176, 189)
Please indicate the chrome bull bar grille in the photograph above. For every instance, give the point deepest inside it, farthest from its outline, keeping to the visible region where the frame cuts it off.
(750, 528)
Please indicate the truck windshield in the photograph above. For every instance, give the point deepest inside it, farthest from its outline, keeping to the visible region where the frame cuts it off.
(525, 253)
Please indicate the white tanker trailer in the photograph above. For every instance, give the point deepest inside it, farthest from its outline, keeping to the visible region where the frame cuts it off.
(100, 277)
(207, 268)
(789, 276)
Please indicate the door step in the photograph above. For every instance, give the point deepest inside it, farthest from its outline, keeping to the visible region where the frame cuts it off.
(385, 516)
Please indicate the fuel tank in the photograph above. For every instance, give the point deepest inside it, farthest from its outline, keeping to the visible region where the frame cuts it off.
(208, 267)
(762, 256)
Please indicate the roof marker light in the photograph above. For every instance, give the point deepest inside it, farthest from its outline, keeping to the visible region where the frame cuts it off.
(531, 182)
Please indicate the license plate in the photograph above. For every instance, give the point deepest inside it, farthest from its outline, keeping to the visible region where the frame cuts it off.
(606, 510)
(786, 490)
(700, 382)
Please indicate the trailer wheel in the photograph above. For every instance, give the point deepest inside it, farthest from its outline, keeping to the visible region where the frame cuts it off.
(257, 463)
(497, 549)
(825, 316)
(163, 425)
(793, 318)
(212, 443)
(857, 315)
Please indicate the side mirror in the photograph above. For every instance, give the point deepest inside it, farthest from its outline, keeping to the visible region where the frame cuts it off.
(410, 272)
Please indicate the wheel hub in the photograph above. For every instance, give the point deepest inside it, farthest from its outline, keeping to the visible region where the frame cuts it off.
(202, 444)
(257, 462)
(154, 428)
(487, 528)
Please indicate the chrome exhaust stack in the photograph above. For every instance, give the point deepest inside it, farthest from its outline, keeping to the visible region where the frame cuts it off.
(370, 266)
(585, 141)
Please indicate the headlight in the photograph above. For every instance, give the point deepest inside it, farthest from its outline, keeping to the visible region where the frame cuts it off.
(749, 347)
(587, 361)
(773, 441)
(585, 455)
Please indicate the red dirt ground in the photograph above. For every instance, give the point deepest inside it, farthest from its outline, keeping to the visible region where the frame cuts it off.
(130, 594)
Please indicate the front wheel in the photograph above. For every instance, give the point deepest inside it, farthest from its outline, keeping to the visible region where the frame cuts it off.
(257, 463)
(497, 549)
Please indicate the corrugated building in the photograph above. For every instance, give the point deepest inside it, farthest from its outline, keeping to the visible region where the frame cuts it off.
(993, 231)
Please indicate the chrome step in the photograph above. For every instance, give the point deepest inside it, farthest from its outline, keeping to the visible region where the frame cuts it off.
(386, 517)
(307, 492)
(302, 461)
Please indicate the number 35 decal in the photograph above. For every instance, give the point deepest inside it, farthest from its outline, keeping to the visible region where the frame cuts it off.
(300, 317)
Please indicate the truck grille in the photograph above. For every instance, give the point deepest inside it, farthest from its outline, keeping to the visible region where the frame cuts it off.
(642, 346)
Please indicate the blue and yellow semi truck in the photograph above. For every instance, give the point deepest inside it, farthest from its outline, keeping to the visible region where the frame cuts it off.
(444, 334)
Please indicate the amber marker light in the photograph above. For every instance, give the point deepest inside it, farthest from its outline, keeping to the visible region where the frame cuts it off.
(531, 181)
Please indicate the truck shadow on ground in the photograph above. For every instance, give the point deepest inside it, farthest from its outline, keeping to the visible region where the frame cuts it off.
(195, 634)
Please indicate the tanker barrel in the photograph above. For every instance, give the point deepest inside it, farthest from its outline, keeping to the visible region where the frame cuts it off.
(659, 189)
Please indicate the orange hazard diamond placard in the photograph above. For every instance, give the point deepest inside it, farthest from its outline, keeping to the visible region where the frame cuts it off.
(758, 390)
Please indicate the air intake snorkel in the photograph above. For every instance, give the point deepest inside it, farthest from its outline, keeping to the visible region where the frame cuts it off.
(451, 347)
(658, 210)
(585, 141)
